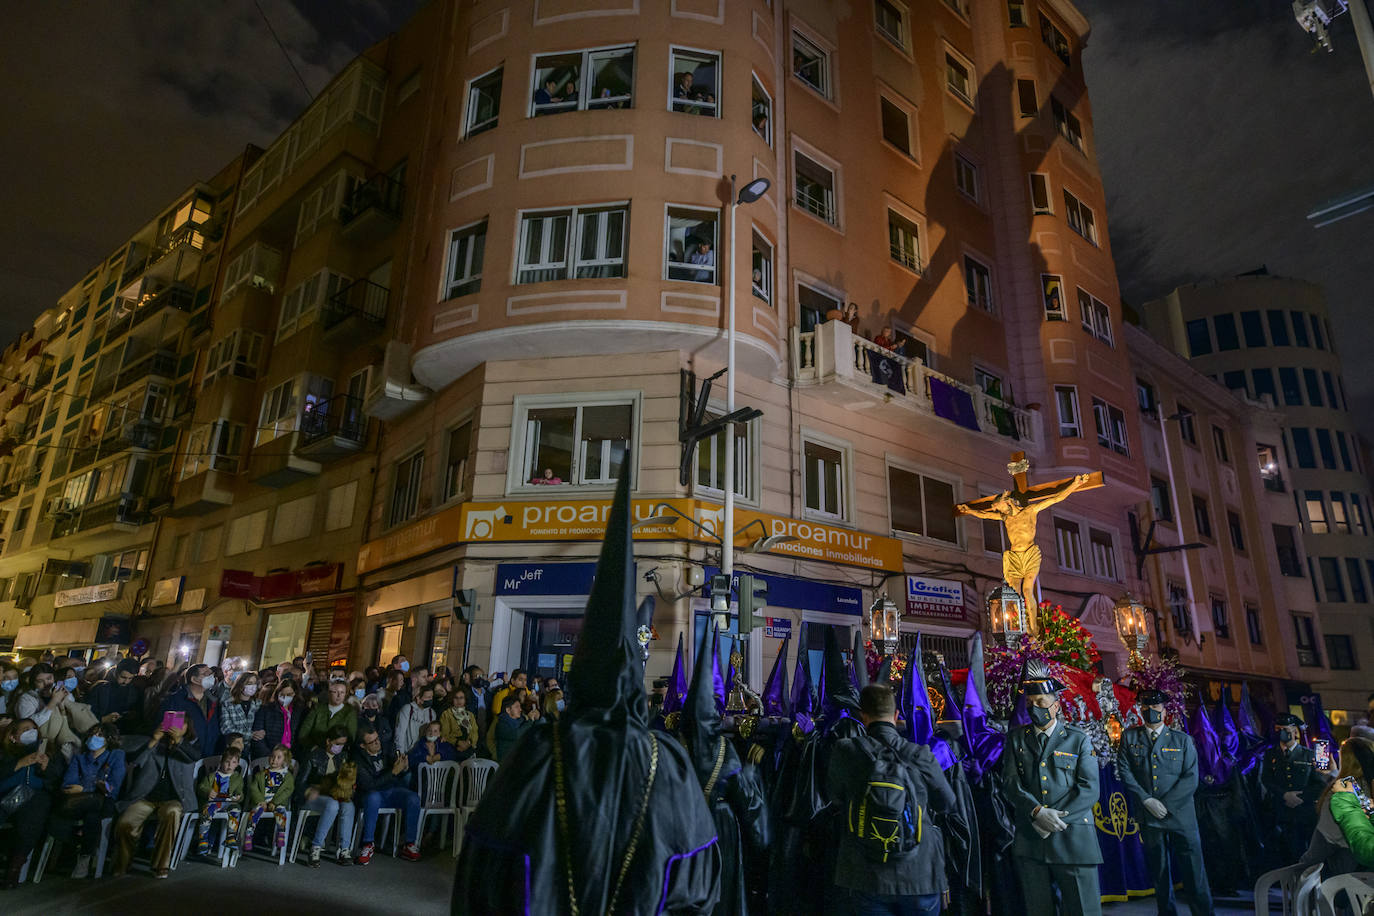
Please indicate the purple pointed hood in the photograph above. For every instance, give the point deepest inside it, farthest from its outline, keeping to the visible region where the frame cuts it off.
(1225, 725)
(775, 690)
(920, 725)
(983, 742)
(1214, 765)
(803, 702)
(1247, 721)
(718, 684)
(677, 683)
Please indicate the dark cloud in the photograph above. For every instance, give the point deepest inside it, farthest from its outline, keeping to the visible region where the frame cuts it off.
(1218, 128)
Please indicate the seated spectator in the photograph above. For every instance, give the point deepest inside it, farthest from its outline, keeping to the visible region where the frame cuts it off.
(458, 727)
(1357, 831)
(328, 785)
(412, 716)
(269, 792)
(25, 761)
(329, 713)
(384, 783)
(44, 702)
(115, 700)
(240, 709)
(196, 700)
(510, 725)
(370, 714)
(236, 742)
(278, 721)
(430, 748)
(220, 791)
(90, 789)
(161, 783)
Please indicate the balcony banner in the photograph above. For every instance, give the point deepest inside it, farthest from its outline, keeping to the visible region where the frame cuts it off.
(953, 404)
(886, 371)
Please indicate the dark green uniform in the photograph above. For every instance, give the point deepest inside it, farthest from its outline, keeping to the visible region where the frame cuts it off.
(1062, 775)
(1283, 771)
(1165, 768)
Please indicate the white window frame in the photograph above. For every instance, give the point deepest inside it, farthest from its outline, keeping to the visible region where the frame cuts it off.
(1074, 423)
(584, 101)
(704, 57)
(1068, 545)
(1067, 125)
(764, 287)
(1035, 91)
(905, 249)
(258, 267)
(1062, 313)
(890, 462)
(964, 166)
(908, 110)
(284, 404)
(1048, 209)
(412, 465)
(964, 96)
(467, 233)
(822, 52)
(237, 353)
(1110, 423)
(1095, 317)
(1074, 213)
(844, 481)
(901, 41)
(301, 305)
(671, 210)
(471, 129)
(570, 263)
(902, 210)
(989, 304)
(517, 482)
(827, 164)
(759, 87)
(820, 289)
(746, 461)
(1104, 556)
(450, 489)
(324, 202)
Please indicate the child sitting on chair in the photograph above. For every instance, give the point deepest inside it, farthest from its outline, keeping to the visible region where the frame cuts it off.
(270, 792)
(220, 791)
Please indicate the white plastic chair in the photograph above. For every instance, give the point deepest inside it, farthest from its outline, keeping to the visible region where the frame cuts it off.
(1287, 878)
(474, 774)
(281, 851)
(439, 795)
(101, 850)
(1305, 900)
(1357, 887)
(303, 816)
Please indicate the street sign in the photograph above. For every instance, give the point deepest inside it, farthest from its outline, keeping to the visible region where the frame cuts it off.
(777, 627)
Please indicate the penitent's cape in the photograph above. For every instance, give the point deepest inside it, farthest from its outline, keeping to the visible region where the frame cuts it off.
(594, 814)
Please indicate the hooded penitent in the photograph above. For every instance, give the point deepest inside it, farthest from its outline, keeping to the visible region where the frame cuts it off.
(839, 699)
(1214, 765)
(677, 683)
(984, 743)
(719, 686)
(803, 702)
(920, 717)
(775, 690)
(1225, 726)
(594, 813)
(858, 662)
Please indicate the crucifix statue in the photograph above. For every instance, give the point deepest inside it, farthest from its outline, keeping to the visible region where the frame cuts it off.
(1018, 509)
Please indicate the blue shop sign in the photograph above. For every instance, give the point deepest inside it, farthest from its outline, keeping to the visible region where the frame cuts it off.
(800, 594)
(544, 578)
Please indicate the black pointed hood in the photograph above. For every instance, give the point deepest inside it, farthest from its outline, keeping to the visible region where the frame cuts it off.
(884, 672)
(859, 659)
(700, 724)
(839, 690)
(607, 673)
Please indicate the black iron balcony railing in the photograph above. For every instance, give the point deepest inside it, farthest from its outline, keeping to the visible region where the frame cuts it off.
(162, 362)
(1273, 483)
(381, 193)
(362, 299)
(341, 416)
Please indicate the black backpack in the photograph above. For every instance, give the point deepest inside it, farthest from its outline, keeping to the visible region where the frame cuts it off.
(885, 819)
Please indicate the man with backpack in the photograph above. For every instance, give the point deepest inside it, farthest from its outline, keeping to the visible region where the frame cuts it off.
(891, 856)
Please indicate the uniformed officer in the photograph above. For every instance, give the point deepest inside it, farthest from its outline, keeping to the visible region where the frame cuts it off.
(1292, 785)
(1158, 766)
(1050, 775)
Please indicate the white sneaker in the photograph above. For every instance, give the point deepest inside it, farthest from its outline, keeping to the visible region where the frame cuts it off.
(83, 867)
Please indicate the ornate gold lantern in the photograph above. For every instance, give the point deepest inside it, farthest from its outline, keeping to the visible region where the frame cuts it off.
(1130, 626)
(1006, 615)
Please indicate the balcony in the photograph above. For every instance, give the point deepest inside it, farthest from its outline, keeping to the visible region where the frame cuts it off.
(205, 490)
(1273, 482)
(373, 210)
(161, 363)
(144, 433)
(335, 429)
(124, 512)
(45, 373)
(358, 311)
(276, 464)
(862, 376)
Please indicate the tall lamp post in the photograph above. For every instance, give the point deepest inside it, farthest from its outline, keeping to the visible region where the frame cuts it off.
(746, 195)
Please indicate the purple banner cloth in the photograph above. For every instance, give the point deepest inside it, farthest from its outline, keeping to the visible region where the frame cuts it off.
(953, 404)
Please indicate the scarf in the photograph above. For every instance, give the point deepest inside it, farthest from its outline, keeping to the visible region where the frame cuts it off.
(286, 726)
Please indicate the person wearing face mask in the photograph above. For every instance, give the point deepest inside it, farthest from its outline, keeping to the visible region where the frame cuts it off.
(1158, 765)
(50, 705)
(331, 711)
(197, 701)
(553, 704)
(1050, 776)
(90, 789)
(327, 788)
(115, 700)
(238, 712)
(384, 782)
(370, 715)
(458, 727)
(416, 677)
(412, 716)
(430, 747)
(278, 721)
(161, 784)
(9, 689)
(25, 768)
(1292, 786)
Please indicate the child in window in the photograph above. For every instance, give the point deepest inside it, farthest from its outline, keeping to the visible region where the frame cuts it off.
(269, 792)
(220, 790)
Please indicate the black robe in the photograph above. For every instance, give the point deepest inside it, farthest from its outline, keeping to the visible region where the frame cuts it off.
(740, 812)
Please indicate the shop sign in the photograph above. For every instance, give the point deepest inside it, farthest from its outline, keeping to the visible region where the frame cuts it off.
(193, 600)
(221, 633)
(291, 583)
(777, 627)
(167, 591)
(107, 591)
(238, 583)
(942, 598)
(800, 594)
(544, 579)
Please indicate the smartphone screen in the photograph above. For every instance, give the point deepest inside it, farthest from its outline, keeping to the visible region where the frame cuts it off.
(173, 719)
(1321, 752)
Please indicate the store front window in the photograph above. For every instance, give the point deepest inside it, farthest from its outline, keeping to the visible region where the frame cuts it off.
(286, 637)
(437, 646)
(550, 640)
(388, 643)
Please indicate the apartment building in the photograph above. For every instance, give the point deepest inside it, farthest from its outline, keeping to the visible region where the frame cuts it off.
(96, 395)
(1219, 535)
(1270, 337)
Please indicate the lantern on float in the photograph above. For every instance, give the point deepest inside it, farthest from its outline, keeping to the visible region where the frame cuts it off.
(1006, 615)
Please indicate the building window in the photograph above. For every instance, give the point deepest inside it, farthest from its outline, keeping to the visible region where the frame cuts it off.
(1202, 517)
(1331, 579)
(1314, 390)
(1227, 337)
(1253, 328)
(1146, 398)
(338, 511)
(1357, 515)
(1066, 401)
(890, 19)
(466, 246)
(1317, 336)
(1328, 452)
(1340, 522)
(1305, 633)
(1299, 330)
(921, 505)
(579, 80)
(1103, 554)
(1111, 426)
(813, 305)
(1180, 609)
(1026, 100)
(695, 81)
(302, 304)
(903, 241)
(1344, 449)
(1199, 337)
(815, 188)
(295, 519)
(1340, 652)
(245, 533)
(810, 64)
(957, 77)
(456, 460)
(1054, 39)
(1358, 593)
(896, 124)
(1302, 447)
(1016, 14)
(711, 461)
(1278, 328)
(959, 6)
(236, 353)
(1080, 217)
(484, 102)
(1067, 124)
(978, 284)
(1186, 430)
(1221, 621)
(283, 405)
(217, 447)
(691, 240)
(761, 112)
(966, 177)
(761, 268)
(1286, 546)
(1041, 204)
(405, 488)
(1051, 290)
(323, 204)
(439, 627)
(1253, 625)
(825, 476)
(572, 443)
(1068, 545)
(1096, 318)
(1160, 500)
(594, 248)
(1219, 442)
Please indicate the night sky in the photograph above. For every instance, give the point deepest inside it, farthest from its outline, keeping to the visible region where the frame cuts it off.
(1216, 127)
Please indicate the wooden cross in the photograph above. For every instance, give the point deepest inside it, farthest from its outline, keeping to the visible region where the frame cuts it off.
(1018, 468)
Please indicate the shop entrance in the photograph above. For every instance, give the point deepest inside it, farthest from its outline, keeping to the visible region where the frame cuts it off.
(549, 642)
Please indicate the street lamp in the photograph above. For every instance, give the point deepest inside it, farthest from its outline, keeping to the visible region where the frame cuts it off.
(1006, 615)
(885, 624)
(746, 195)
(1130, 626)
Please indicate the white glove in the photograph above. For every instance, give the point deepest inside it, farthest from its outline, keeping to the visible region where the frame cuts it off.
(1155, 807)
(1048, 821)
(1292, 799)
